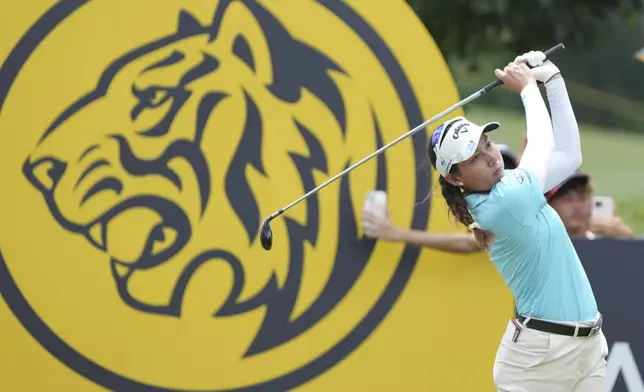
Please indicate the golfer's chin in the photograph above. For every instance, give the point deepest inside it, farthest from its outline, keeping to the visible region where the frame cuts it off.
(498, 175)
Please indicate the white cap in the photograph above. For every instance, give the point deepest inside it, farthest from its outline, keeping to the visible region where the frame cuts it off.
(456, 140)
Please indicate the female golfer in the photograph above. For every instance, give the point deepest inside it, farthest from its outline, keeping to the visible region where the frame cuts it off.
(556, 343)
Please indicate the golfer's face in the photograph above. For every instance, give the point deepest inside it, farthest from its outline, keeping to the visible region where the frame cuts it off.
(484, 169)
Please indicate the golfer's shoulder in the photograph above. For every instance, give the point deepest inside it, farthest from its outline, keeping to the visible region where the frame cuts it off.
(489, 211)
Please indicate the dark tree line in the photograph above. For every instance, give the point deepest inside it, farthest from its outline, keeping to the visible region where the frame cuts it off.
(465, 29)
(601, 37)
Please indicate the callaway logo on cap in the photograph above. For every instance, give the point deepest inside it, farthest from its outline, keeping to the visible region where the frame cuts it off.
(456, 140)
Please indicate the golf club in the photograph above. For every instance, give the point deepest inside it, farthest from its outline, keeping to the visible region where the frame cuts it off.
(266, 234)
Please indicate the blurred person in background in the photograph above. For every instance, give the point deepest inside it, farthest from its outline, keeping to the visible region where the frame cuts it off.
(384, 229)
(573, 201)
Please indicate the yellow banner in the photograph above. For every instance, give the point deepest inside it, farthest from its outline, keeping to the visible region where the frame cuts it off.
(143, 142)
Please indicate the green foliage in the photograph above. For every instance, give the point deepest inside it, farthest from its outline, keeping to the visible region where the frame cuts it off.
(605, 81)
(467, 28)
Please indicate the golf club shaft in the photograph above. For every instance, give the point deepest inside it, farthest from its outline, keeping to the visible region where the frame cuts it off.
(384, 148)
(488, 88)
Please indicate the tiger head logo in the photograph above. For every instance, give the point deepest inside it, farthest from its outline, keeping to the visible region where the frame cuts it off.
(154, 176)
(156, 184)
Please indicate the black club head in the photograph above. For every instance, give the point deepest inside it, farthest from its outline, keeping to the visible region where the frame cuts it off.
(266, 235)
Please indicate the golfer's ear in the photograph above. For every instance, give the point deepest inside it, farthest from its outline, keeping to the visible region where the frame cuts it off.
(452, 179)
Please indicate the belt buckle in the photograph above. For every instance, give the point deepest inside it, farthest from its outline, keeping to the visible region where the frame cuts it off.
(595, 330)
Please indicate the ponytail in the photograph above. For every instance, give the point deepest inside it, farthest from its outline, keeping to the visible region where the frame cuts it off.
(458, 207)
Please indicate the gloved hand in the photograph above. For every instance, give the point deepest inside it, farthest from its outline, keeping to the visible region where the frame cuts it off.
(542, 69)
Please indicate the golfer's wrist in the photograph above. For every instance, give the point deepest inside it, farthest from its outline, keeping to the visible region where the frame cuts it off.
(553, 78)
(398, 235)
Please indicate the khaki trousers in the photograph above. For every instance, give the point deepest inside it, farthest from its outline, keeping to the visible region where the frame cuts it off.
(544, 362)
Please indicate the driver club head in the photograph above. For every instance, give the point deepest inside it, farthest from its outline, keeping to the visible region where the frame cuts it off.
(266, 234)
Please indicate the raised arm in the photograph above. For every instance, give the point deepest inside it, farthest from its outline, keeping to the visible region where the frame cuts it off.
(539, 149)
(566, 156)
(519, 78)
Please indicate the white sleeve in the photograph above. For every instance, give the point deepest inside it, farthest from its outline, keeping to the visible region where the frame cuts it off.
(539, 148)
(566, 157)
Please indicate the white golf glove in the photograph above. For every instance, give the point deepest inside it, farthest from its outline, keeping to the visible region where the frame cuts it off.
(542, 69)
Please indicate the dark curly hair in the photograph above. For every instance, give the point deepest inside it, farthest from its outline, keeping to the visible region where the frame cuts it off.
(455, 198)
